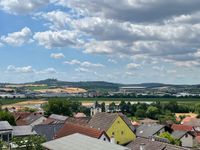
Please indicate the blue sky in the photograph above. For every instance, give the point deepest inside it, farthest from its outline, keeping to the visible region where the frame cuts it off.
(131, 41)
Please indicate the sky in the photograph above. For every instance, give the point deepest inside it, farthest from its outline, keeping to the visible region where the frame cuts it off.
(123, 41)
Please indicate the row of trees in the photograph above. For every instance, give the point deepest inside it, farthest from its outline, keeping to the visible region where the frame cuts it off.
(156, 110)
(65, 107)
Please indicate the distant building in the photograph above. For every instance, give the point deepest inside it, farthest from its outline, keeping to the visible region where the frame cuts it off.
(54, 118)
(131, 89)
(95, 109)
(21, 131)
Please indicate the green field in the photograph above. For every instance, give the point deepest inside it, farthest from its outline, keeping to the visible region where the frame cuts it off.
(179, 100)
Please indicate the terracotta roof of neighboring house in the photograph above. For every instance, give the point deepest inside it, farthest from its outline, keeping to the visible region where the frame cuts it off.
(70, 128)
(48, 130)
(195, 122)
(79, 115)
(81, 121)
(26, 118)
(187, 119)
(134, 123)
(103, 120)
(148, 130)
(153, 145)
(182, 127)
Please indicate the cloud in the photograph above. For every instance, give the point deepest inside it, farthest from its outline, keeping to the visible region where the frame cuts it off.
(26, 69)
(80, 69)
(57, 39)
(22, 6)
(112, 61)
(29, 69)
(57, 55)
(58, 19)
(133, 66)
(84, 63)
(133, 10)
(18, 38)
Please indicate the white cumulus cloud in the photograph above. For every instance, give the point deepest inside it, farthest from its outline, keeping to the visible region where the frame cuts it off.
(57, 55)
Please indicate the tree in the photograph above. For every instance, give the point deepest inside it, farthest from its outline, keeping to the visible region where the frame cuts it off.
(112, 106)
(103, 107)
(29, 142)
(170, 138)
(152, 112)
(7, 116)
(123, 106)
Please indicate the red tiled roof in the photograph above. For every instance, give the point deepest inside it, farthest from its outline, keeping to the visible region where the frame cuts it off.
(182, 127)
(70, 128)
(187, 119)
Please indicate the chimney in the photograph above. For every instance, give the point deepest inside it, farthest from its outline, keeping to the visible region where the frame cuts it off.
(112, 140)
(142, 146)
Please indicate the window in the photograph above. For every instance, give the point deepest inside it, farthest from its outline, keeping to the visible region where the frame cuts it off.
(117, 142)
(122, 132)
(104, 139)
(113, 133)
(118, 122)
(186, 135)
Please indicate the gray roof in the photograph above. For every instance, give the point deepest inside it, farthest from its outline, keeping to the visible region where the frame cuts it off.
(153, 145)
(32, 117)
(148, 130)
(58, 117)
(78, 141)
(4, 125)
(23, 131)
(48, 130)
(178, 134)
(103, 120)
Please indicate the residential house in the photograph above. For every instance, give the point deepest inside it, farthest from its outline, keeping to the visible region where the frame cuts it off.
(95, 109)
(149, 130)
(21, 131)
(182, 127)
(27, 118)
(5, 131)
(79, 115)
(116, 125)
(54, 118)
(195, 123)
(148, 121)
(70, 128)
(146, 144)
(48, 130)
(186, 138)
(78, 141)
(81, 121)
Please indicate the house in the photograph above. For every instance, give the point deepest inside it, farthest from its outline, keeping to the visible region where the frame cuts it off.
(116, 125)
(48, 131)
(148, 121)
(81, 121)
(54, 118)
(186, 138)
(149, 130)
(78, 141)
(146, 144)
(5, 131)
(70, 128)
(27, 118)
(21, 131)
(79, 115)
(194, 122)
(182, 127)
(95, 109)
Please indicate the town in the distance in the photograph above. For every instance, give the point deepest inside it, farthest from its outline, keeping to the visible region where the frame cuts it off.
(95, 115)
